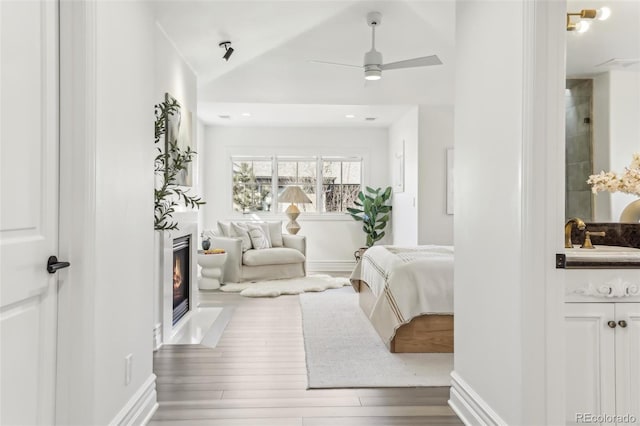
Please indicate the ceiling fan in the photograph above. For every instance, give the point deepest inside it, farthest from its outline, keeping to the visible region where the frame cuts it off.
(373, 65)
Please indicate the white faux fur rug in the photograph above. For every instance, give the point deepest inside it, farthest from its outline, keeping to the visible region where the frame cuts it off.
(274, 288)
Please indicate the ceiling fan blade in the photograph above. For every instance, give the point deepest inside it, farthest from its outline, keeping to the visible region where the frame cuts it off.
(335, 63)
(415, 62)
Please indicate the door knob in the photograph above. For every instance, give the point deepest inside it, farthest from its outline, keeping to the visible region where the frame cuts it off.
(622, 323)
(53, 265)
(611, 324)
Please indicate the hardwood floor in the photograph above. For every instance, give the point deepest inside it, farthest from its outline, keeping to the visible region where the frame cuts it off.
(257, 376)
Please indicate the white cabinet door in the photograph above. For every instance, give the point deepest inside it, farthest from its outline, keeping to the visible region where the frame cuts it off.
(28, 209)
(628, 360)
(590, 360)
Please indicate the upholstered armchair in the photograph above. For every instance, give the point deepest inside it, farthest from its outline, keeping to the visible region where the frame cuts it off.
(276, 262)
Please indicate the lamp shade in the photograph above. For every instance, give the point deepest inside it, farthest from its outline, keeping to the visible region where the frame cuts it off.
(293, 194)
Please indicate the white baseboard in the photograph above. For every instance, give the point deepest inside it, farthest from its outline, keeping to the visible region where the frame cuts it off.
(469, 406)
(331, 265)
(157, 336)
(140, 407)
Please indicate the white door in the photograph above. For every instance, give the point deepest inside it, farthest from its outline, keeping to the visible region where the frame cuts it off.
(590, 361)
(628, 361)
(28, 209)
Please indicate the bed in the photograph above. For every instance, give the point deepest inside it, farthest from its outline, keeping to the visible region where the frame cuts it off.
(407, 294)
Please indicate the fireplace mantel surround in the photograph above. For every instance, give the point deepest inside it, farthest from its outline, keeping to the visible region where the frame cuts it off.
(163, 328)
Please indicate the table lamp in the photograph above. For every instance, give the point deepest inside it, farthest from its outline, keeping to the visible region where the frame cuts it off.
(293, 195)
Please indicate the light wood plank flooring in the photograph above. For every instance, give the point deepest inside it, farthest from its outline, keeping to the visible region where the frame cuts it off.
(257, 376)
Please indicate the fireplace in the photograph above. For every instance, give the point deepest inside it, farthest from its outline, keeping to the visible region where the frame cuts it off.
(177, 272)
(181, 276)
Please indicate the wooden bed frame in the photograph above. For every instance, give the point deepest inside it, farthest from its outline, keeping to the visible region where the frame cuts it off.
(423, 334)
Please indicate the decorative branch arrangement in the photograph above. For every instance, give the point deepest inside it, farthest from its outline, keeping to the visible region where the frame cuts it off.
(373, 212)
(170, 161)
(627, 182)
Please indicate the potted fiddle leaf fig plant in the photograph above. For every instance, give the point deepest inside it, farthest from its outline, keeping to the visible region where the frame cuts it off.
(373, 211)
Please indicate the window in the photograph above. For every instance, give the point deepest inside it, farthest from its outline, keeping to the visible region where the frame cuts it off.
(331, 183)
(252, 185)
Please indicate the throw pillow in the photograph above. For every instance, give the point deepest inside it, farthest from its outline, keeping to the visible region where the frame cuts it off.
(258, 237)
(275, 231)
(267, 234)
(242, 233)
(225, 229)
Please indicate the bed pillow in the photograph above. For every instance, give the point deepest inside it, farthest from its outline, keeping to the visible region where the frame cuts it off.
(275, 232)
(241, 232)
(258, 237)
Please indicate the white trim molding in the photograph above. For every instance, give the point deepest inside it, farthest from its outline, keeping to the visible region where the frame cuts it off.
(331, 265)
(469, 406)
(615, 288)
(157, 336)
(142, 405)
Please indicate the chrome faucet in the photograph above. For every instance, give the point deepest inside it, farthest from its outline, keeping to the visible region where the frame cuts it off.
(568, 227)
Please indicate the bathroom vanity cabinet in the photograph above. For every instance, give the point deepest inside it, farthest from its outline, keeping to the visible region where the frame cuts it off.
(602, 328)
(603, 360)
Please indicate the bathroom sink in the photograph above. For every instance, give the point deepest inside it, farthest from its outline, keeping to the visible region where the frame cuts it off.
(607, 251)
(601, 253)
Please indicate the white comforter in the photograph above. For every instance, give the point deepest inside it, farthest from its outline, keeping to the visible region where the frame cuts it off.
(407, 282)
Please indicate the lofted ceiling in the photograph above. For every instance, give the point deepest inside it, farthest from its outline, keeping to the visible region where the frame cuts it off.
(615, 38)
(269, 74)
(275, 40)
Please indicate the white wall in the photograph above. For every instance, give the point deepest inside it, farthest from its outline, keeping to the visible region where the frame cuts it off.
(124, 261)
(420, 212)
(331, 241)
(435, 135)
(201, 149)
(601, 142)
(624, 126)
(488, 143)
(616, 134)
(509, 189)
(105, 309)
(175, 76)
(404, 217)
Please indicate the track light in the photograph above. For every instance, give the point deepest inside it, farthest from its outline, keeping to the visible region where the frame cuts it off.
(585, 18)
(227, 49)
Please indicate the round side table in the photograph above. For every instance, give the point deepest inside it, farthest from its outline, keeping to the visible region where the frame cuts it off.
(211, 270)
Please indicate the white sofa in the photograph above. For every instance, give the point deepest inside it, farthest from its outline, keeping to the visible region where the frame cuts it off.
(286, 261)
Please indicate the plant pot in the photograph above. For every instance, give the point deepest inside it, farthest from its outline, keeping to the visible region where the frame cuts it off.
(359, 253)
(206, 244)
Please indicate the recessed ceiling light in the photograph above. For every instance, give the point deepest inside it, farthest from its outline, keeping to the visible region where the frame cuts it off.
(370, 118)
(224, 116)
(350, 116)
(246, 114)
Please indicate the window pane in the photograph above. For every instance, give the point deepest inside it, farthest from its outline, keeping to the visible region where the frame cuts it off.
(251, 185)
(302, 174)
(351, 172)
(340, 185)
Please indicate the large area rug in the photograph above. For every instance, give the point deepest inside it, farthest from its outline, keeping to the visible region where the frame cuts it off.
(274, 288)
(344, 351)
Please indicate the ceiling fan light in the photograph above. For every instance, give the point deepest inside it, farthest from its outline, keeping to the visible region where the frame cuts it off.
(372, 74)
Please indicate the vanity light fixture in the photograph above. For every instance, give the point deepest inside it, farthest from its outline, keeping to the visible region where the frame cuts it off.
(585, 17)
